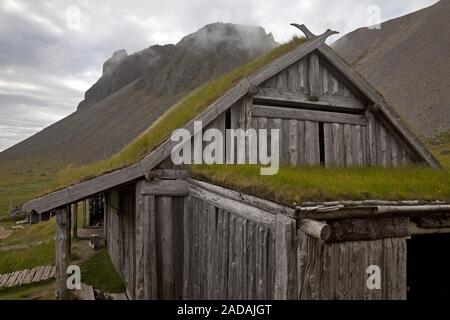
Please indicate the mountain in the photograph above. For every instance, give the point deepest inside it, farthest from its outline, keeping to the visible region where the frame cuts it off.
(408, 61)
(134, 90)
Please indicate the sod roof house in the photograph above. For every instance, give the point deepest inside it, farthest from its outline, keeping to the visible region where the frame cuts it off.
(173, 237)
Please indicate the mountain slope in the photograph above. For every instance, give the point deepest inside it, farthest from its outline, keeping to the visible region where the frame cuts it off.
(136, 89)
(408, 61)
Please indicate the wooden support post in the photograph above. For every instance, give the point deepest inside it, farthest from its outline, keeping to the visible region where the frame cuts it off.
(62, 250)
(75, 220)
(83, 214)
(286, 258)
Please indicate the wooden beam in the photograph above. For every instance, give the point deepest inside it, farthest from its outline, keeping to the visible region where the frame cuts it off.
(165, 188)
(310, 115)
(62, 251)
(298, 99)
(367, 229)
(85, 189)
(286, 282)
(259, 203)
(372, 212)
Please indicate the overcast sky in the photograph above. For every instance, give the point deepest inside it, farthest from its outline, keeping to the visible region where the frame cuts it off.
(52, 51)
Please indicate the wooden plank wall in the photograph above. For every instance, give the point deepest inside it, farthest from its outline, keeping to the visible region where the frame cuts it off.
(345, 144)
(338, 270)
(295, 79)
(120, 235)
(226, 255)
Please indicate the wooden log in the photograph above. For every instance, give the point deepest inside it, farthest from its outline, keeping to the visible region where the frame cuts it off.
(62, 251)
(298, 99)
(310, 115)
(372, 211)
(367, 229)
(259, 203)
(286, 258)
(315, 229)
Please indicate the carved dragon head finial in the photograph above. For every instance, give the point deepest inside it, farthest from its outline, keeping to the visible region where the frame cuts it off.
(309, 35)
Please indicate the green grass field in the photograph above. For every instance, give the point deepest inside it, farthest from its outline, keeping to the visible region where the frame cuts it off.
(99, 272)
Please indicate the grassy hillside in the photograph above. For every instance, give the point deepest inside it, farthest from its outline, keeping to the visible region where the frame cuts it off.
(407, 61)
(295, 185)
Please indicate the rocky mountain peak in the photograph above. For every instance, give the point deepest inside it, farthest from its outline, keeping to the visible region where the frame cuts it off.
(165, 70)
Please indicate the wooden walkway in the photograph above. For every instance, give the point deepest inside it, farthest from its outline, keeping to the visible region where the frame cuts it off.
(18, 278)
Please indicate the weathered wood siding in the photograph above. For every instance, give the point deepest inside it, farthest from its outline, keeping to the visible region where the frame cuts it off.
(226, 255)
(193, 243)
(120, 235)
(338, 270)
